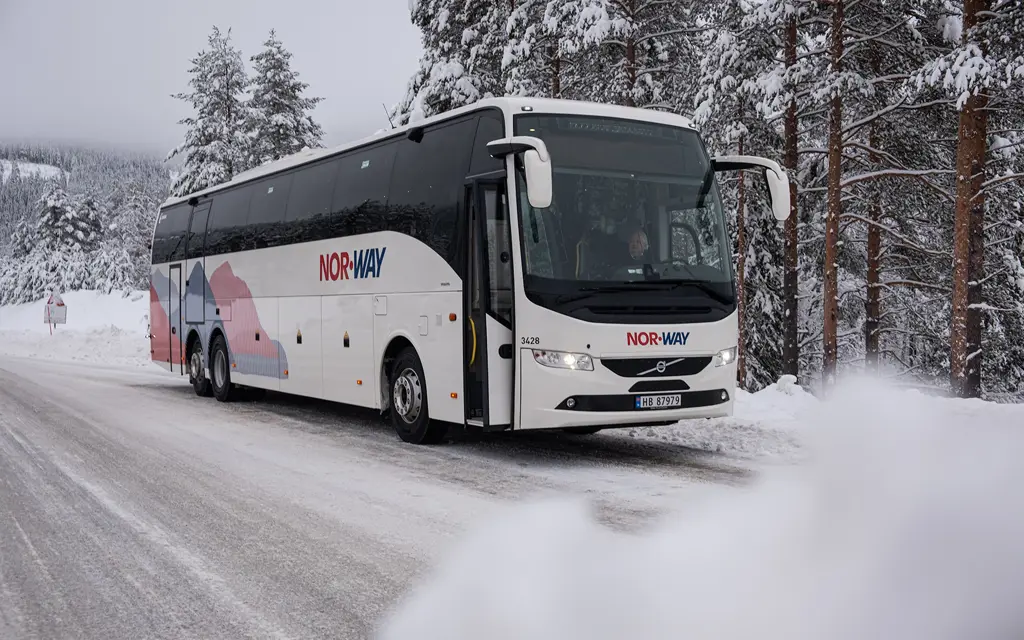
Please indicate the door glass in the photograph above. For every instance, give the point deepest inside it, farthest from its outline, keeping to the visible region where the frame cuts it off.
(499, 253)
(197, 232)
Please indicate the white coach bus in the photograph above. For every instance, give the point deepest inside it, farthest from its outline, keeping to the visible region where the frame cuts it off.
(515, 264)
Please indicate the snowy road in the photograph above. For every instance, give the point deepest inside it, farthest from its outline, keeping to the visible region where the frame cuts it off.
(131, 508)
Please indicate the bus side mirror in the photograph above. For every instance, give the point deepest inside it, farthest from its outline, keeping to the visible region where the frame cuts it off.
(778, 181)
(536, 162)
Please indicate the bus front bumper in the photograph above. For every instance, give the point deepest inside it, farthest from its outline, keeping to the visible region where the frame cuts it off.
(559, 398)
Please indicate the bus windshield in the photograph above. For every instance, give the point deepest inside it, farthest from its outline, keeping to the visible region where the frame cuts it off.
(635, 205)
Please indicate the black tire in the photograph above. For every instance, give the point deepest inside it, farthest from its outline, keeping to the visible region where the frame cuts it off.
(220, 370)
(409, 411)
(582, 431)
(197, 370)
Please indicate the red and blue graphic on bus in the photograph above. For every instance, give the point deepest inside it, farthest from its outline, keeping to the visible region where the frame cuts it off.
(361, 263)
(224, 301)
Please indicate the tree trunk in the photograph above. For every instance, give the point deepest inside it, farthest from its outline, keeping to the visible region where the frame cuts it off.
(556, 72)
(835, 158)
(873, 306)
(790, 289)
(741, 270)
(968, 235)
(630, 101)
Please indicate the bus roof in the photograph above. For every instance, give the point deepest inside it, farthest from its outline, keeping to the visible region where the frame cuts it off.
(507, 105)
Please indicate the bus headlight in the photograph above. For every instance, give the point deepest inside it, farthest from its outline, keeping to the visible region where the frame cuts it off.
(564, 360)
(725, 357)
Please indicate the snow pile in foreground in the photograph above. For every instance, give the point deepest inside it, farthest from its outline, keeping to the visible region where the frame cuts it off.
(766, 423)
(101, 328)
(906, 521)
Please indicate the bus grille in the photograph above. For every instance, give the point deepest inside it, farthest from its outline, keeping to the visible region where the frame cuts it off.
(648, 367)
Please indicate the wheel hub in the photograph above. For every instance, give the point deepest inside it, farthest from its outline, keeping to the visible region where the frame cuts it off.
(408, 393)
(196, 364)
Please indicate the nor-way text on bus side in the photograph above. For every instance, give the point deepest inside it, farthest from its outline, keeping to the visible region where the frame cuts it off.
(361, 263)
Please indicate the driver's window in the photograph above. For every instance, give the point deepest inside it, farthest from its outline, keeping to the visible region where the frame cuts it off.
(686, 245)
(537, 241)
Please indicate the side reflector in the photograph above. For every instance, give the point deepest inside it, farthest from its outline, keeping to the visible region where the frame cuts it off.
(452, 317)
(285, 372)
(455, 395)
(359, 382)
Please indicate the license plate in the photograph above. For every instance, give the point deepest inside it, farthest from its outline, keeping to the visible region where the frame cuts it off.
(659, 402)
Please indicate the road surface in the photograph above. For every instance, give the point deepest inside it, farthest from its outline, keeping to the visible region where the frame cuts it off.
(130, 508)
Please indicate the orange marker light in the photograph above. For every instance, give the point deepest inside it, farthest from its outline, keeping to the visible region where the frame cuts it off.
(285, 372)
(455, 395)
(451, 317)
(359, 382)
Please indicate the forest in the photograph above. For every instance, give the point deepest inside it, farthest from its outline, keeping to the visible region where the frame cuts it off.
(900, 124)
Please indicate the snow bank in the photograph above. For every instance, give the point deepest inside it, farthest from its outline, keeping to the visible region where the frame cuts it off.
(101, 328)
(906, 521)
(764, 424)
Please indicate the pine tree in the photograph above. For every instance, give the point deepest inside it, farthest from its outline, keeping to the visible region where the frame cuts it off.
(279, 122)
(23, 239)
(66, 222)
(463, 44)
(215, 148)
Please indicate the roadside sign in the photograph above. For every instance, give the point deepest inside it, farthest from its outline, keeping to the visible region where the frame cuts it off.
(56, 312)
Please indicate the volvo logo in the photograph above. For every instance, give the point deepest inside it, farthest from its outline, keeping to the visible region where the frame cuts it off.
(661, 367)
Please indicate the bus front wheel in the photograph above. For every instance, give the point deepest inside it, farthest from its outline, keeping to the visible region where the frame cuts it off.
(409, 411)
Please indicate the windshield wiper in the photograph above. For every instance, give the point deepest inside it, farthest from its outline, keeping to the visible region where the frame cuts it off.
(703, 286)
(588, 292)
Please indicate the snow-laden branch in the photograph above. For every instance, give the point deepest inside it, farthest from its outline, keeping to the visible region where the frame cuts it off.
(896, 173)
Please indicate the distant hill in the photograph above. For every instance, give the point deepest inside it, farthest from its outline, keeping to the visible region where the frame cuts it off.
(30, 169)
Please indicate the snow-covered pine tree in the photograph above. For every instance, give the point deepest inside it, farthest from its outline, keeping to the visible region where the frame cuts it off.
(636, 49)
(131, 230)
(66, 222)
(463, 43)
(981, 70)
(279, 122)
(215, 147)
(23, 239)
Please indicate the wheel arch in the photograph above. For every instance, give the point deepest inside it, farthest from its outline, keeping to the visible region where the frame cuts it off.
(193, 337)
(216, 330)
(396, 343)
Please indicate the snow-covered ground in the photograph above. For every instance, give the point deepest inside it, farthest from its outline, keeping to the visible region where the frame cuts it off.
(101, 329)
(906, 521)
(26, 169)
(896, 513)
(111, 329)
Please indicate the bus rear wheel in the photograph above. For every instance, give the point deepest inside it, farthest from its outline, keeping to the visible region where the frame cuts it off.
(220, 370)
(197, 370)
(409, 411)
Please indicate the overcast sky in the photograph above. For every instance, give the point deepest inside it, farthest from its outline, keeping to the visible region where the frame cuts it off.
(103, 71)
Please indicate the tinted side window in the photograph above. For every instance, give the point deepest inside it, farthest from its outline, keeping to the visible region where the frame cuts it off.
(309, 203)
(490, 127)
(361, 191)
(226, 229)
(197, 230)
(267, 212)
(428, 184)
(171, 227)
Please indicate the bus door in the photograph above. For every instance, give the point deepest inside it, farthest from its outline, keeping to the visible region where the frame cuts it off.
(174, 315)
(195, 263)
(488, 299)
